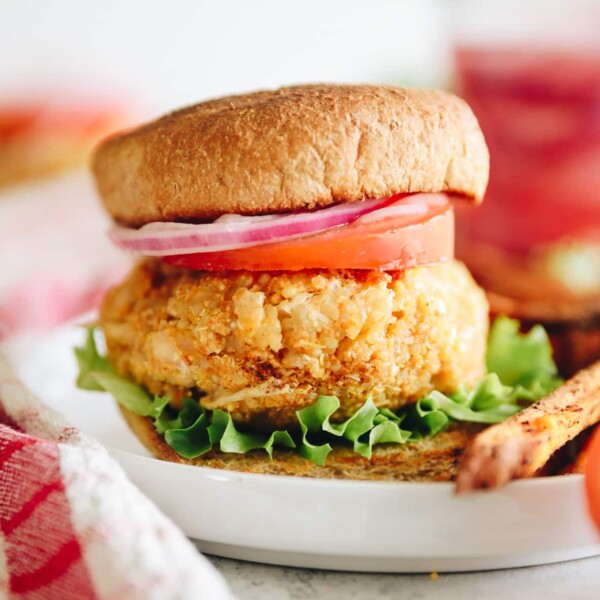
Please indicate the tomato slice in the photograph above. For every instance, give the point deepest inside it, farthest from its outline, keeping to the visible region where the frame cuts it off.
(396, 242)
(592, 477)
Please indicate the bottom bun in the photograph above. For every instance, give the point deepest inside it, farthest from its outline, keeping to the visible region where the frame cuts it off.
(431, 459)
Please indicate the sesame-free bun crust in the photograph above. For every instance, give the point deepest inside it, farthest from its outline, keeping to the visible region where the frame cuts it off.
(295, 148)
(430, 459)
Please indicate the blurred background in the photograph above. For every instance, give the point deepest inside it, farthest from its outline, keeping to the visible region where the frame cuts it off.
(163, 54)
(74, 71)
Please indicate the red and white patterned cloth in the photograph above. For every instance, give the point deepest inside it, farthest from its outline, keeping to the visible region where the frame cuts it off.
(73, 526)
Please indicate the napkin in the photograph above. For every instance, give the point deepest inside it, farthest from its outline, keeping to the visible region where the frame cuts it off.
(73, 526)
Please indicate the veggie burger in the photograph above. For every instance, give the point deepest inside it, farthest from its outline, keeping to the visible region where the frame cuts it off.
(297, 307)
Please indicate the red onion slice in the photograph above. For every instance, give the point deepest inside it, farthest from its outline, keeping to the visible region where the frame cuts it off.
(406, 206)
(230, 232)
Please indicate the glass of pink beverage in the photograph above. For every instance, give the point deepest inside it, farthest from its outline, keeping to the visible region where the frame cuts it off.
(533, 80)
(540, 112)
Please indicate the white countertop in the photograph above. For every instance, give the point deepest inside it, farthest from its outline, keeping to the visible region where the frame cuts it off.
(575, 580)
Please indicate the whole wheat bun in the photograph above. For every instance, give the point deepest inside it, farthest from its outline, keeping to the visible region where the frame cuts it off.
(431, 459)
(295, 148)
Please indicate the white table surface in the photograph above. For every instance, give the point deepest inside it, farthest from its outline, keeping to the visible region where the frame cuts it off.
(575, 580)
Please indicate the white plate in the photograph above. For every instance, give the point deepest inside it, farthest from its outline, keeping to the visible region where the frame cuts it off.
(363, 526)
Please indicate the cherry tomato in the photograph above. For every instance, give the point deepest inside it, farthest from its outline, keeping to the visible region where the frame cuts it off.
(592, 477)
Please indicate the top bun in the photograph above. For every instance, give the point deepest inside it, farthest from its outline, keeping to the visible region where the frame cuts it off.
(292, 149)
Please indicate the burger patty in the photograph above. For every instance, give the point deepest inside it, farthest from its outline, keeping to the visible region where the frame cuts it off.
(263, 345)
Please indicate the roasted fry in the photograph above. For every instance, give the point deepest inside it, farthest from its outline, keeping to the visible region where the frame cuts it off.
(521, 445)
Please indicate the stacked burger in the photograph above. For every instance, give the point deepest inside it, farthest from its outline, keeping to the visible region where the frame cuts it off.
(297, 307)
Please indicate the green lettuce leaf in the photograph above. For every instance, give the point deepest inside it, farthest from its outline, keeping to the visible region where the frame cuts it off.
(89, 361)
(191, 438)
(521, 371)
(125, 392)
(191, 441)
(232, 440)
(366, 427)
(522, 361)
(311, 421)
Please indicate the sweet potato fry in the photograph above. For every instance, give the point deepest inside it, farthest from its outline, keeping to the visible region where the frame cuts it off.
(521, 445)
